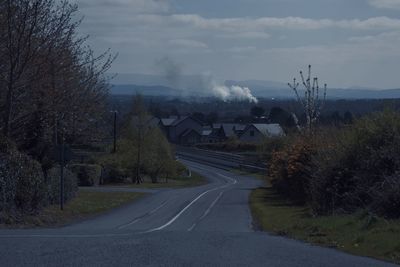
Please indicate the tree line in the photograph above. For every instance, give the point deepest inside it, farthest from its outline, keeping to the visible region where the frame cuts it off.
(52, 85)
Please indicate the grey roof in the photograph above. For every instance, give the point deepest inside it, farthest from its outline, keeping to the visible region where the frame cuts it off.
(230, 128)
(168, 121)
(273, 130)
(189, 131)
(177, 121)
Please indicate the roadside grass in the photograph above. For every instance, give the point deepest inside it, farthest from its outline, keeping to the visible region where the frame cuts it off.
(259, 176)
(176, 182)
(358, 234)
(85, 205)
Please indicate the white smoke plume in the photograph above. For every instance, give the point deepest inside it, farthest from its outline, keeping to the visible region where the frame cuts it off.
(204, 84)
(233, 93)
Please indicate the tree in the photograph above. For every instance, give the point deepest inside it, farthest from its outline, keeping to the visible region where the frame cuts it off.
(282, 117)
(48, 75)
(140, 125)
(257, 111)
(312, 102)
(200, 116)
(29, 30)
(212, 118)
(348, 117)
(158, 155)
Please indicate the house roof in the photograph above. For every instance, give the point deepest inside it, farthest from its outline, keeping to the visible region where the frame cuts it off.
(189, 131)
(182, 119)
(178, 121)
(230, 129)
(168, 121)
(274, 130)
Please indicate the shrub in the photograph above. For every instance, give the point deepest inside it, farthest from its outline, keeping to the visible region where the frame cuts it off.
(157, 158)
(53, 182)
(22, 185)
(289, 170)
(271, 145)
(112, 173)
(87, 174)
(386, 197)
(359, 168)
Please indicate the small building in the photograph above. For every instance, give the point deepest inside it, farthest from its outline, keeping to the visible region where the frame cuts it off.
(230, 130)
(165, 125)
(213, 135)
(182, 130)
(190, 137)
(255, 133)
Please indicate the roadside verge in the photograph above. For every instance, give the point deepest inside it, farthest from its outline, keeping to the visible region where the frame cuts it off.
(86, 205)
(360, 234)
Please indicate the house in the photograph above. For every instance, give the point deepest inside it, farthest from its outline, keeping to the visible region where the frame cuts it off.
(213, 135)
(190, 137)
(255, 133)
(182, 130)
(165, 125)
(188, 130)
(230, 130)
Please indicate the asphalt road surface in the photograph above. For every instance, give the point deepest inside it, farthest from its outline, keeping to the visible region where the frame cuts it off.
(209, 225)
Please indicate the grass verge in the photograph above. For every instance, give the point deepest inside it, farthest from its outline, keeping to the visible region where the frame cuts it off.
(85, 205)
(176, 182)
(358, 234)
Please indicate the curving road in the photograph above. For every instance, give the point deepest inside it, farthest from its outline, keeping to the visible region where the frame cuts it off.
(209, 225)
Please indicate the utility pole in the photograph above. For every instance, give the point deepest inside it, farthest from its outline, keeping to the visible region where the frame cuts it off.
(62, 162)
(115, 131)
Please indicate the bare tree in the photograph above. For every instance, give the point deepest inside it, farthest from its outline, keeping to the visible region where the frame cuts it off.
(313, 101)
(48, 73)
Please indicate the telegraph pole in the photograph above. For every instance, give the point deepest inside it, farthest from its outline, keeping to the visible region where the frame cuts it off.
(62, 163)
(115, 132)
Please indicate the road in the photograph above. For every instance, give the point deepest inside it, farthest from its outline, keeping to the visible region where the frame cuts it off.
(209, 225)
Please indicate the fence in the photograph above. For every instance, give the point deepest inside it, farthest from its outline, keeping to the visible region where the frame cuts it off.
(221, 159)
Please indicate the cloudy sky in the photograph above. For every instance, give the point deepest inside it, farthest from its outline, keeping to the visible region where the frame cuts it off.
(348, 42)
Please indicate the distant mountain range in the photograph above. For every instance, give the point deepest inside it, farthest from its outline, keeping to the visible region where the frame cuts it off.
(148, 90)
(156, 85)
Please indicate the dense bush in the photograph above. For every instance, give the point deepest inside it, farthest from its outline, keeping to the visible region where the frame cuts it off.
(289, 170)
(157, 158)
(118, 167)
(354, 172)
(24, 188)
(53, 182)
(386, 197)
(112, 173)
(346, 170)
(270, 145)
(87, 174)
(22, 185)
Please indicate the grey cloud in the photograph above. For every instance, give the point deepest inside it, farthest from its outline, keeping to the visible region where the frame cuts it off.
(232, 47)
(133, 6)
(388, 4)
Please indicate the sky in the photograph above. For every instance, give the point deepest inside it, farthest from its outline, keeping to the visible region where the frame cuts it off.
(349, 43)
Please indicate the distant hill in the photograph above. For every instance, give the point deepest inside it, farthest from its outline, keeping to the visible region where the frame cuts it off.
(131, 89)
(270, 89)
(193, 85)
(187, 82)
